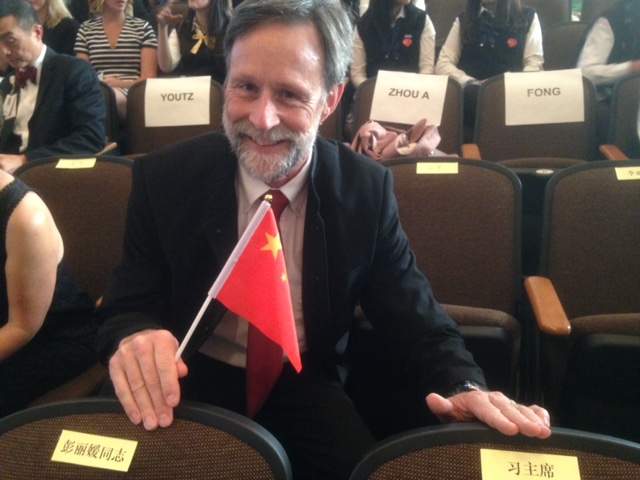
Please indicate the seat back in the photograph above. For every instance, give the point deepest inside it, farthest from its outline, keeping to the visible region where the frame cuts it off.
(112, 129)
(562, 43)
(592, 9)
(450, 128)
(498, 141)
(204, 442)
(89, 207)
(551, 12)
(332, 127)
(443, 13)
(464, 229)
(591, 233)
(453, 451)
(143, 139)
(623, 120)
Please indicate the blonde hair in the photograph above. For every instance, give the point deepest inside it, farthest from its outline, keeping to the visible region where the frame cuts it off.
(98, 6)
(56, 12)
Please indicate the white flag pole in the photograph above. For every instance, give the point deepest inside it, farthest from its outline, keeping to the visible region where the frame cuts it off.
(226, 271)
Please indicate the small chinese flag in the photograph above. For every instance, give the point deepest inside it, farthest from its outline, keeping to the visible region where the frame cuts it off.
(257, 287)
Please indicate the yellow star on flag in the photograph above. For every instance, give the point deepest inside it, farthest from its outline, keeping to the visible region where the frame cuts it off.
(273, 245)
(283, 277)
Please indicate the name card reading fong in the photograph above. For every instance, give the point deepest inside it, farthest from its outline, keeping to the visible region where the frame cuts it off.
(402, 97)
(507, 465)
(173, 102)
(534, 98)
(94, 451)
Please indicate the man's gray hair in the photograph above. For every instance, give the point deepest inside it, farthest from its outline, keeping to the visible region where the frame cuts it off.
(329, 17)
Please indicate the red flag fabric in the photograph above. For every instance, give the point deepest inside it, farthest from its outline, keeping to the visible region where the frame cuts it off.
(257, 289)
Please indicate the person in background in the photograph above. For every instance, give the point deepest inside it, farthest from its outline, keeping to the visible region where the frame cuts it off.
(489, 38)
(121, 48)
(612, 47)
(362, 5)
(195, 46)
(341, 238)
(46, 325)
(52, 103)
(83, 10)
(60, 28)
(392, 35)
(611, 50)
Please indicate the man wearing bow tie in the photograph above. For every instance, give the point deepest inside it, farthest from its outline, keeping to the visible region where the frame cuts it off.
(51, 103)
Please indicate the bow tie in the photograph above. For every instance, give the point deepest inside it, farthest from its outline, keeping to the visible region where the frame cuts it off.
(23, 76)
(201, 37)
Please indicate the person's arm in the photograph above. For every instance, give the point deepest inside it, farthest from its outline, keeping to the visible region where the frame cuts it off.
(450, 56)
(427, 48)
(533, 60)
(168, 54)
(595, 54)
(10, 163)
(358, 70)
(34, 250)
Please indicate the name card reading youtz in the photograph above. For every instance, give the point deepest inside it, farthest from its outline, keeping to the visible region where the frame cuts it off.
(402, 97)
(173, 102)
(534, 98)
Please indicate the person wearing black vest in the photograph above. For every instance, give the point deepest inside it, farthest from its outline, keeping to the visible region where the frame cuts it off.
(392, 35)
(612, 46)
(489, 38)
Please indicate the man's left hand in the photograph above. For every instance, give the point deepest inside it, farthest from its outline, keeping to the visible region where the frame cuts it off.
(10, 163)
(493, 408)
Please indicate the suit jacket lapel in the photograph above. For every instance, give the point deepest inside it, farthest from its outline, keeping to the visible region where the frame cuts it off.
(46, 76)
(315, 278)
(6, 89)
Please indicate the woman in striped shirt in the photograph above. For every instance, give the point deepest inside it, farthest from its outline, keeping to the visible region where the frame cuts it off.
(121, 48)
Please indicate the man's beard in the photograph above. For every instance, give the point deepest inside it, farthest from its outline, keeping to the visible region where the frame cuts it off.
(269, 168)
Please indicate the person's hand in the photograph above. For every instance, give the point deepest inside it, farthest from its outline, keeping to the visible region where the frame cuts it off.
(10, 163)
(493, 408)
(635, 66)
(115, 82)
(166, 17)
(145, 377)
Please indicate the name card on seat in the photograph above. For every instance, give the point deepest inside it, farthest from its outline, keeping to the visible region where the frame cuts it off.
(402, 97)
(173, 102)
(534, 98)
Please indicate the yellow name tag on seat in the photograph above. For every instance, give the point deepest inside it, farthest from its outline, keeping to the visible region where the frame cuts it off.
(506, 465)
(72, 163)
(628, 173)
(94, 451)
(436, 168)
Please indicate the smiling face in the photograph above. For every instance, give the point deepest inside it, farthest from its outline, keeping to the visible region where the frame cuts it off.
(20, 47)
(275, 99)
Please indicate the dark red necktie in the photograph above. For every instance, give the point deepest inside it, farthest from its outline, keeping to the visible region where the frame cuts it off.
(264, 357)
(23, 76)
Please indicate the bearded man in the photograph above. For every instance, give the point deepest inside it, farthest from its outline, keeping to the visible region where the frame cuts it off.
(343, 246)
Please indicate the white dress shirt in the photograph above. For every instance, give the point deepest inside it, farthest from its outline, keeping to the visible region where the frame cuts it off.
(228, 342)
(26, 101)
(533, 58)
(364, 4)
(358, 71)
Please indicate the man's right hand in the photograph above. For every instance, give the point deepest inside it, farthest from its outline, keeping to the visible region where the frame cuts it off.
(145, 377)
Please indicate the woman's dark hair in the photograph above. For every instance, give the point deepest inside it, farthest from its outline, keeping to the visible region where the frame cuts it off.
(509, 15)
(379, 14)
(217, 21)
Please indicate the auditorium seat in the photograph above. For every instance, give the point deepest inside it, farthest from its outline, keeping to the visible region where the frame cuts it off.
(623, 139)
(562, 43)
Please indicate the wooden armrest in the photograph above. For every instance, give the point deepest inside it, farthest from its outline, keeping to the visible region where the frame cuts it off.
(471, 150)
(109, 147)
(550, 315)
(611, 152)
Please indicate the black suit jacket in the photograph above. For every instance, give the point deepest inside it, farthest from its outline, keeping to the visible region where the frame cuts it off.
(69, 115)
(182, 226)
